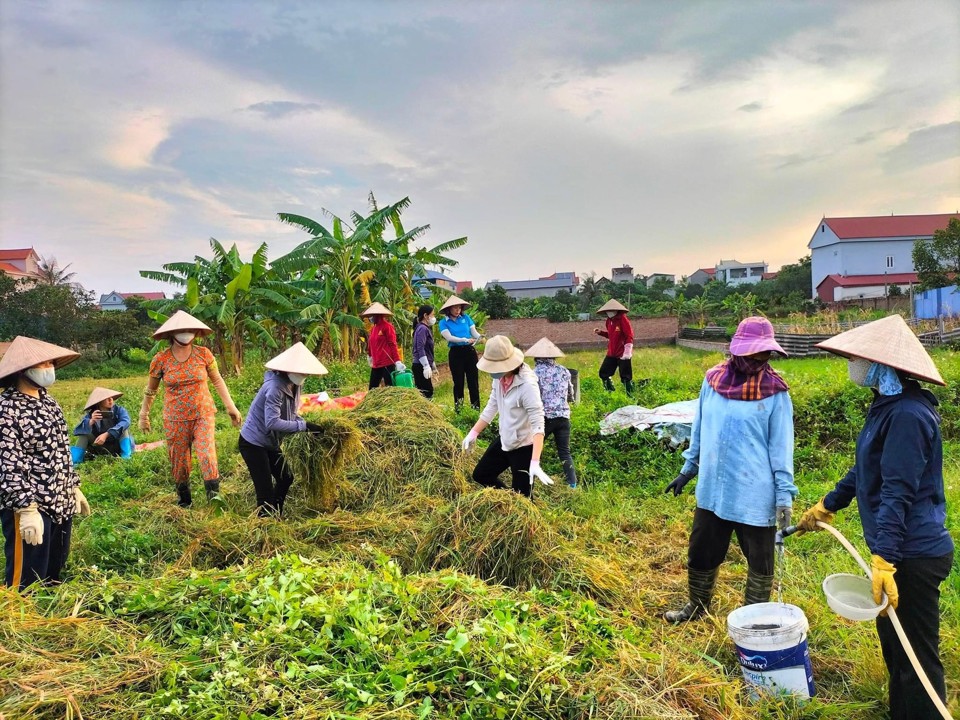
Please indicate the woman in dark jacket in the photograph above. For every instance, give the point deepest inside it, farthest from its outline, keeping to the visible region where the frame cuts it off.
(897, 480)
(424, 366)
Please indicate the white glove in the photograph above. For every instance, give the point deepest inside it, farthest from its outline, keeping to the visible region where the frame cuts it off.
(400, 367)
(427, 371)
(627, 351)
(469, 440)
(369, 361)
(82, 506)
(539, 474)
(31, 525)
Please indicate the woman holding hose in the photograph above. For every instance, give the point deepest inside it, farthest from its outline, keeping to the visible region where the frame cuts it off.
(897, 479)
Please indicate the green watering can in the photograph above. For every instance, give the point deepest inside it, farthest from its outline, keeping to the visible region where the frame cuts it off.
(402, 379)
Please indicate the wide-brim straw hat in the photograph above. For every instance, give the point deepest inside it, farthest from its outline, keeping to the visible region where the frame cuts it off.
(99, 394)
(181, 321)
(297, 359)
(499, 355)
(25, 352)
(754, 335)
(611, 305)
(454, 301)
(375, 309)
(889, 341)
(543, 348)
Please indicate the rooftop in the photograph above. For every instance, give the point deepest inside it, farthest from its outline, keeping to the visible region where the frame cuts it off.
(849, 228)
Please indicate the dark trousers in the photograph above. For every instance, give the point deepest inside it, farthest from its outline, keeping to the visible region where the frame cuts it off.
(918, 580)
(266, 466)
(710, 539)
(463, 365)
(495, 460)
(611, 364)
(559, 427)
(28, 564)
(385, 374)
(422, 384)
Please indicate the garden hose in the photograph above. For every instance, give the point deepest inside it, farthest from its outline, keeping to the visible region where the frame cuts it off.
(891, 613)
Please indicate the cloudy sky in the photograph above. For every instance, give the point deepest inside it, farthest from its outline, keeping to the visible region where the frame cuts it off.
(556, 135)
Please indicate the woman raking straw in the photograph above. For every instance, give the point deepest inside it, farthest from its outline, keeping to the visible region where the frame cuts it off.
(897, 479)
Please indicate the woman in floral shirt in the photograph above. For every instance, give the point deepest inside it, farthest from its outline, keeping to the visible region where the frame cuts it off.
(39, 489)
(556, 390)
(188, 411)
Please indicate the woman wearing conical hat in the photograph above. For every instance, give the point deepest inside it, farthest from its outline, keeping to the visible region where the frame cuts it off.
(556, 391)
(619, 334)
(273, 414)
(39, 488)
(105, 427)
(189, 415)
(383, 355)
(897, 480)
(461, 334)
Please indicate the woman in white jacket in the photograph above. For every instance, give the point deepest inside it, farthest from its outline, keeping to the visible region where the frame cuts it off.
(515, 396)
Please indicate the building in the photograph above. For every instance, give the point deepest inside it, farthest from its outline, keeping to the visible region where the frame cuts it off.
(117, 301)
(432, 277)
(463, 285)
(702, 276)
(734, 272)
(20, 264)
(868, 247)
(622, 274)
(837, 288)
(651, 279)
(541, 287)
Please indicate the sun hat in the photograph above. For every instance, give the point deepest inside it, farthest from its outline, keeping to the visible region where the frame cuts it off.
(99, 394)
(181, 321)
(543, 348)
(888, 341)
(297, 359)
(453, 301)
(612, 305)
(25, 352)
(375, 309)
(754, 335)
(499, 355)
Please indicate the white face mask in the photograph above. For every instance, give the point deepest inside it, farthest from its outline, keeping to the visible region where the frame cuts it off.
(431, 320)
(296, 378)
(184, 338)
(611, 314)
(857, 369)
(43, 377)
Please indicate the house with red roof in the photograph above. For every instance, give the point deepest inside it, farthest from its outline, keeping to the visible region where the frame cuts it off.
(117, 301)
(702, 276)
(855, 258)
(20, 264)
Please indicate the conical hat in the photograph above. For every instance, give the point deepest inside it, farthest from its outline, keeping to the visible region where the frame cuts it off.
(543, 348)
(181, 321)
(375, 309)
(453, 301)
(100, 394)
(25, 352)
(889, 342)
(612, 305)
(297, 359)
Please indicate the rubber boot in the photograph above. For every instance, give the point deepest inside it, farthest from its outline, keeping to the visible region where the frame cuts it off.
(184, 498)
(458, 406)
(607, 384)
(77, 453)
(212, 488)
(758, 588)
(126, 448)
(700, 584)
(628, 386)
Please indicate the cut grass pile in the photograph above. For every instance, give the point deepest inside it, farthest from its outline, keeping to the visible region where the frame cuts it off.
(317, 459)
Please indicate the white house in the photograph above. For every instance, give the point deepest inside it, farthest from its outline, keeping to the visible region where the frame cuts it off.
(622, 274)
(651, 279)
(869, 248)
(117, 301)
(733, 272)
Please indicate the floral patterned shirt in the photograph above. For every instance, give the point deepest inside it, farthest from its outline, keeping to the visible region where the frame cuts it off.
(556, 387)
(187, 392)
(35, 463)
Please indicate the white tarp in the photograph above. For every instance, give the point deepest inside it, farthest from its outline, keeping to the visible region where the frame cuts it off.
(671, 421)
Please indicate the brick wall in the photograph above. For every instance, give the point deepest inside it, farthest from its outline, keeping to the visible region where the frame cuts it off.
(579, 335)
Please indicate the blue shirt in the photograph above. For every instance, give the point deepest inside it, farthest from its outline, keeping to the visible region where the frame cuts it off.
(273, 412)
(459, 327)
(121, 423)
(743, 451)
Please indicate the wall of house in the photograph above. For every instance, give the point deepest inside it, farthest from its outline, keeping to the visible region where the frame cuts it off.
(535, 292)
(579, 335)
(861, 257)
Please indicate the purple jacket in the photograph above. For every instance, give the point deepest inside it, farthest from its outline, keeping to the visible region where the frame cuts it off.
(273, 412)
(423, 343)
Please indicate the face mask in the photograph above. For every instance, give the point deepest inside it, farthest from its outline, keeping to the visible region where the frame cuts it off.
(41, 377)
(611, 314)
(497, 376)
(857, 369)
(296, 378)
(431, 320)
(184, 338)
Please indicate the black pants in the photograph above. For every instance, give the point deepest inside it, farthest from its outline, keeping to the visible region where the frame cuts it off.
(495, 460)
(422, 384)
(611, 364)
(463, 365)
(378, 374)
(26, 564)
(559, 427)
(710, 539)
(266, 466)
(918, 581)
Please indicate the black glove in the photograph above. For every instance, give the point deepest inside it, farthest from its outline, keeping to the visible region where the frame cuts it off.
(676, 487)
(312, 427)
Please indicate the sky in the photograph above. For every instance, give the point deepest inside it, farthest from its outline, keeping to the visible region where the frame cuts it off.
(556, 136)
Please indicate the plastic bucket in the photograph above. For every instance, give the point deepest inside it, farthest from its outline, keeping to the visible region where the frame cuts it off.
(771, 643)
(403, 379)
(851, 596)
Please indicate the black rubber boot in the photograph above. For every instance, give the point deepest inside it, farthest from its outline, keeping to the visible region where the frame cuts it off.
(607, 384)
(212, 488)
(758, 588)
(700, 584)
(628, 386)
(184, 498)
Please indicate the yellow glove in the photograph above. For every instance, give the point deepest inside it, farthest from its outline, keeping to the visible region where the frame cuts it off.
(818, 513)
(883, 582)
(82, 507)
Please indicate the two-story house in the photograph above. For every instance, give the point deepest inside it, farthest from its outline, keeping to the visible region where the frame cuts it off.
(20, 264)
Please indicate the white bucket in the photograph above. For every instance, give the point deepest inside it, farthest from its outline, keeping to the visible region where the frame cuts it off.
(771, 642)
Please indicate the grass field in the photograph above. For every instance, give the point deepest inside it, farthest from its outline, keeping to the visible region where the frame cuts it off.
(213, 613)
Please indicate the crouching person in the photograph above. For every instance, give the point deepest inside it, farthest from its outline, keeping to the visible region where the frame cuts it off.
(104, 429)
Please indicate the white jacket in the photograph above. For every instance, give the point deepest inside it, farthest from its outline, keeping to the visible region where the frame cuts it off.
(520, 410)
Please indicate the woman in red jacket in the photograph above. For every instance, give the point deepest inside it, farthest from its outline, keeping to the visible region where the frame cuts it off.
(382, 352)
(619, 334)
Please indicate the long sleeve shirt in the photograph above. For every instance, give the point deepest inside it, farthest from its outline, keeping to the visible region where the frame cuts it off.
(121, 423)
(423, 343)
(273, 412)
(743, 453)
(35, 463)
(520, 410)
(618, 332)
(382, 344)
(556, 388)
(898, 478)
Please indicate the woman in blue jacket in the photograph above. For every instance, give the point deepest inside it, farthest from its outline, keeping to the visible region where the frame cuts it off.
(104, 429)
(897, 479)
(273, 414)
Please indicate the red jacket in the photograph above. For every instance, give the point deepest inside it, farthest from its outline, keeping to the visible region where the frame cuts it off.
(619, 332)
(382, 344)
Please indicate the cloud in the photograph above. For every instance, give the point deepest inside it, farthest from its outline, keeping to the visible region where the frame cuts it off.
(751, 107)
(925, 146)
(276, 109)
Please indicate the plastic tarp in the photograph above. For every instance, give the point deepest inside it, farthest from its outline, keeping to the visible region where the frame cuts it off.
(671, 422)
(322, 401)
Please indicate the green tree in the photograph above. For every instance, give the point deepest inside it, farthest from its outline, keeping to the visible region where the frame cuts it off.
(115, 333)
(59, 314)
(50, 273)
(938, 260)
(496, 303)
